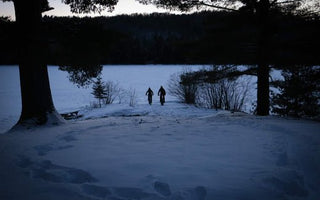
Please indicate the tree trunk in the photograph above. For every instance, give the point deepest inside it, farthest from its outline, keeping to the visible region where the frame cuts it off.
(37, 104)
(263, 66)
(263, 90)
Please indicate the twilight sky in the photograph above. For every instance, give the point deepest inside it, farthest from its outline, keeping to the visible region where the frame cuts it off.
(60, 9)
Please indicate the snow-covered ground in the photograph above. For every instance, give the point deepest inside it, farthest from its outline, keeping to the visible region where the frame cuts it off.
(170, 152)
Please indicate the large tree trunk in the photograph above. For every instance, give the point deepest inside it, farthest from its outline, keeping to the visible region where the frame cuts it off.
(263, 102)
(37, 104)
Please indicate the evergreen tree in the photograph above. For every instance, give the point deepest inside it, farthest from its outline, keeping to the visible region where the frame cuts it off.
(99, 90)
(299, 92)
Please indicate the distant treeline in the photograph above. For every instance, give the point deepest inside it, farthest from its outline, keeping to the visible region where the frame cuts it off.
(206, 37)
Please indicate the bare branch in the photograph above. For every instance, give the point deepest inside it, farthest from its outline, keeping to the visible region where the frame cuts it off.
(216, 6)
(273, 2)
(287, 2)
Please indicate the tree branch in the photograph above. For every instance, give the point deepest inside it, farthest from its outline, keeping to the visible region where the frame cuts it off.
(285, 2)
(218, 7)
(273, 2)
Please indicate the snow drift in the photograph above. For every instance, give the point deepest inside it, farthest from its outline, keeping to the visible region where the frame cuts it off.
(173, 152)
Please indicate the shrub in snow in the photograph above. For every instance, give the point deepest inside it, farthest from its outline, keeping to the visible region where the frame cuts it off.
(112, 91)
(217, 90)
(183, 88)
(132, 97)
(106, 92)
(225, 94)
(94, 104)
(122, 95)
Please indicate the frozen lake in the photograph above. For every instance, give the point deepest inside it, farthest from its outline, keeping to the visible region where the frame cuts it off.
(68, 97)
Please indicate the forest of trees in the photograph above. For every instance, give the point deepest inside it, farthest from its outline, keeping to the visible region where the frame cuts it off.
(205, 37)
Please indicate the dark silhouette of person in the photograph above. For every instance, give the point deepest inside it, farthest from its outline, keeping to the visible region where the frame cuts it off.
(162, 94)
(150, 94)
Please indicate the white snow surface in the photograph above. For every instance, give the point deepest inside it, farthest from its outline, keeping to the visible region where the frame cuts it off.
(170, 152)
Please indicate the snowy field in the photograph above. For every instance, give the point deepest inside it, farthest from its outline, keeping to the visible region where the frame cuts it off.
(150, 153)
(170, 152)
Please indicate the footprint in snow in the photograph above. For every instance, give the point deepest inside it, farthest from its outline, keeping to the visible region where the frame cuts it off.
(68, 138)
(50, 172)
(162, 188)
(43, 150)
(97, 191)
(197, 193)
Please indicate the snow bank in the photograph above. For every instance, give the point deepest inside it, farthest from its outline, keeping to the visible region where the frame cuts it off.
(173, 152)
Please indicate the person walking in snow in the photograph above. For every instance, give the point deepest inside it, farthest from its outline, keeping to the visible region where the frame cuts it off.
(162, 94)
(150, 94)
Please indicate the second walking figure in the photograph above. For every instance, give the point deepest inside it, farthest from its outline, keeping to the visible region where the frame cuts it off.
(162, 94)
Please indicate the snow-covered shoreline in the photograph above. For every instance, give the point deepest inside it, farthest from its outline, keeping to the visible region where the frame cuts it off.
(68, 97)
(193, 155)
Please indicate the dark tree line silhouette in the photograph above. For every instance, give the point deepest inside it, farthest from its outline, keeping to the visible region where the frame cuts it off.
(206, 37)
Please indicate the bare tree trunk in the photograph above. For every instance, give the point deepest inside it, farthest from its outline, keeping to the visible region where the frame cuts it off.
(263, 67)
(263, 90)
(37, 104)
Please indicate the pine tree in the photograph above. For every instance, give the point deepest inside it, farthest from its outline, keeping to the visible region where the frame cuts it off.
(99, 90)
(299, 92)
